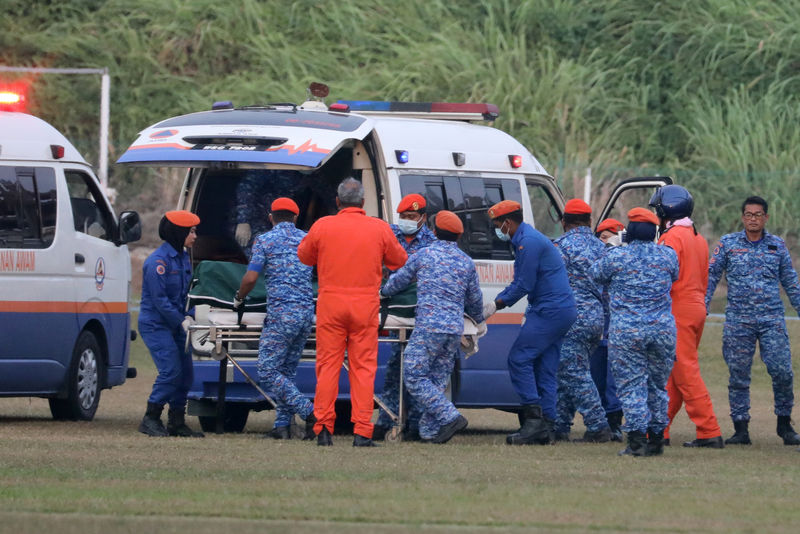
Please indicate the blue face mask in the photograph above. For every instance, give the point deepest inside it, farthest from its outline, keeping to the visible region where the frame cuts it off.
(407, 226)
(502, 236)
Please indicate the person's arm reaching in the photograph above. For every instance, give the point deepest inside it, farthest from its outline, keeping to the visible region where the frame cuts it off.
(716, 266)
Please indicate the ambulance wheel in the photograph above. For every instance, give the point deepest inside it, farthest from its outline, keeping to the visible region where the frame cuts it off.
(235, 420)
(83, 386)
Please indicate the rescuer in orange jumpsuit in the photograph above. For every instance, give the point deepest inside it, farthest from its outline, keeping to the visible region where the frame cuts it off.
(349, 250)
(674, 206)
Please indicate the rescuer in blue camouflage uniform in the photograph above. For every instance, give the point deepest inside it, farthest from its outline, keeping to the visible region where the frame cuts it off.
(607, 232)
(756, 263)
(413, 234)
(580, 249)
(255, 190)
(290, 314)
(540, 274)
(163, 322)
(447, 287)
(641, 337)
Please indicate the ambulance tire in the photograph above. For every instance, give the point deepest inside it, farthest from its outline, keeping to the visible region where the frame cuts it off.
(83, 382)
(235, 420)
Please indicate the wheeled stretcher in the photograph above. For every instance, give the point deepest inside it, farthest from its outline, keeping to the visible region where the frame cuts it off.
(224, 335)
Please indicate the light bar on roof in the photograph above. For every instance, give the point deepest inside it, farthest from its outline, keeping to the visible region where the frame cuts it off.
(432, 110)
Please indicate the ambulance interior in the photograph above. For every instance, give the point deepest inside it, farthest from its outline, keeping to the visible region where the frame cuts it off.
(224, 193)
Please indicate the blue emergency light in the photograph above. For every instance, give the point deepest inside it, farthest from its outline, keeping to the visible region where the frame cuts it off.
(401, 155)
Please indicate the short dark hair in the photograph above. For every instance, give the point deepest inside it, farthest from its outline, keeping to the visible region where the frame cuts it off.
(515, 216)
(446, 235)
(755, 200)
(578, 219)
(282, 216)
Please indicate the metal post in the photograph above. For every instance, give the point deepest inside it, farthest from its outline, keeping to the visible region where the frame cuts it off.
(587, 186)
(105, 84)
(105, 99)
(221, 386)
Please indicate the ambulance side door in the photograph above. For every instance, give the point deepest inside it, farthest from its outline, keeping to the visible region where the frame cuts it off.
(628, 194)
(101, 268)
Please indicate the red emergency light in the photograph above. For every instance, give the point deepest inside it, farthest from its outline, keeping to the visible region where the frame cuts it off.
(11, 100)
(515, 160)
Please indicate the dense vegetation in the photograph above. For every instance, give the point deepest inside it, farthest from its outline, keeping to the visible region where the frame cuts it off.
(706, 91)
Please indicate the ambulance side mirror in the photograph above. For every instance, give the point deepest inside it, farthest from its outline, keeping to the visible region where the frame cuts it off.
(130, 227)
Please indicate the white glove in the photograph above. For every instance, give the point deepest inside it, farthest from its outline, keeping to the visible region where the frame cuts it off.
(187, 322)
(237, 302)
(489, 309)
(243, 234)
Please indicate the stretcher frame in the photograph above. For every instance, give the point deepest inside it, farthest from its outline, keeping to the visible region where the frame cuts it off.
(221, 336)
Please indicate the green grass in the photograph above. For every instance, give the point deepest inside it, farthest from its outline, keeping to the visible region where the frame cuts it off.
(104, 476)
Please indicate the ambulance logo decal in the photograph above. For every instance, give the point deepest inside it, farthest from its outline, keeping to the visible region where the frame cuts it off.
(99, 273)
(162, 134)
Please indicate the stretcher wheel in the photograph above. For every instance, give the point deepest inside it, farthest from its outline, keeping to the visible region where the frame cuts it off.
(393, 434)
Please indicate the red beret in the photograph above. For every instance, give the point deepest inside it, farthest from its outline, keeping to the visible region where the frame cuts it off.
(412, 202)
(449, 221)
(612, 225)
(284, 204)
(503, 207)
(642, 215)
(577, 206)
(182, 218)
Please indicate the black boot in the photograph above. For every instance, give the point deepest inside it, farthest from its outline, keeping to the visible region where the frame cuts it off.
(598, 436)
(637, 444)
(176, 425)
(561, 436)
(708, 443)
(655, 443)
(151, 423)
(534, 430)
(740, 435)
(448, 431)
(279, 432)
(311, 420)
(324, 438)
(361, 441)
(615, 423)
(786, 431)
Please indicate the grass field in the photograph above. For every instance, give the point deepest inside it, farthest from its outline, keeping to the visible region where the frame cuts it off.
(105, 477)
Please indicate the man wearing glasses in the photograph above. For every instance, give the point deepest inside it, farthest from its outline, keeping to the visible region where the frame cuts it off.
(756, 264)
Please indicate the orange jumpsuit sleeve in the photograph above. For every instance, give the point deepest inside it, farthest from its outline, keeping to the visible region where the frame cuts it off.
(394, 256)
(308, 249)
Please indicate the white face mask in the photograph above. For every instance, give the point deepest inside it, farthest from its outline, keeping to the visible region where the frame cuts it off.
(501, 235)
(408, 226)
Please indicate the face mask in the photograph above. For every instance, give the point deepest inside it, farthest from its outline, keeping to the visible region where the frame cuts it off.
(502, 236)
(407, 226)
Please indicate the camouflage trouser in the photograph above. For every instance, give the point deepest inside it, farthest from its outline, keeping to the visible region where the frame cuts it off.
(641, 357)
(429, 361)
(391, 394)
(738, 348)
(279, 351)
(576, 389)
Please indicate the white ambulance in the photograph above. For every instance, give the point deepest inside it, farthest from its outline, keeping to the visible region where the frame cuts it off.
(240, 158)
(64, 273)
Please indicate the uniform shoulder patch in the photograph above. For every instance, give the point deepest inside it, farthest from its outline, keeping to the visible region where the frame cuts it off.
(160, 269)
